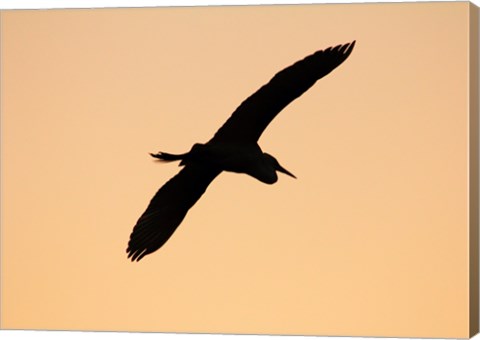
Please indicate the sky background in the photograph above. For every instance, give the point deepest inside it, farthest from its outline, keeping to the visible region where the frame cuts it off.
(369, 240)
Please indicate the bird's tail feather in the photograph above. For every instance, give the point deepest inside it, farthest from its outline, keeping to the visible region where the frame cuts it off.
(168, 157)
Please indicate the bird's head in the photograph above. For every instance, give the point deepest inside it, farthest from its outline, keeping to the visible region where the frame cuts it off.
(276, 166)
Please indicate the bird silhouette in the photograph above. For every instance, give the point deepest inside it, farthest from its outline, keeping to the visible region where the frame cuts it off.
(233, 148)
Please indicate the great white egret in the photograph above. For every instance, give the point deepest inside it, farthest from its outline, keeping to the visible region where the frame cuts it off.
(233, 148)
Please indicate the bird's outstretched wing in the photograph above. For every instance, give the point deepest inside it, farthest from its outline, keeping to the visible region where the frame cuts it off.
(167, 209)
(251, 118)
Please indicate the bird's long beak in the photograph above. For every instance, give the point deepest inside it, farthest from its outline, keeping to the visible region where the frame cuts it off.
(285, 171)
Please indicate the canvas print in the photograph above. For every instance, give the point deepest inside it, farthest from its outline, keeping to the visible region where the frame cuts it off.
(283, 170)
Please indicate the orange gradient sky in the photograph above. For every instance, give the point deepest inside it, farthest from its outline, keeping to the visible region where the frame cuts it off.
(371, 239)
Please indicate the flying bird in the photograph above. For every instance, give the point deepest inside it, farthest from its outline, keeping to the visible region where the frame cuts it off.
(233, 148)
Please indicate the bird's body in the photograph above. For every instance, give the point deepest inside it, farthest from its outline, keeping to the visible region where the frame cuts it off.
(234, 148)
(246, 158)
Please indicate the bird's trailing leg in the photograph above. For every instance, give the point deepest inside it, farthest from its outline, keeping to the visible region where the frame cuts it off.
(167, 157)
